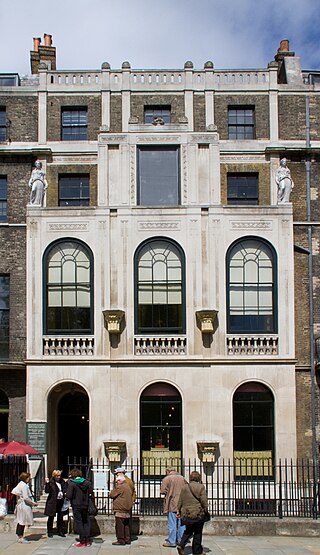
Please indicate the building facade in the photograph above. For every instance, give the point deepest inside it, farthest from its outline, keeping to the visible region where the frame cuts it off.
(166, 288)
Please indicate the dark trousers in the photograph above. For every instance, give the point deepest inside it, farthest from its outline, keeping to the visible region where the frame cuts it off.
(82, 522)
(59, 518)
(123, 530)
(20, 530)
(196, 530)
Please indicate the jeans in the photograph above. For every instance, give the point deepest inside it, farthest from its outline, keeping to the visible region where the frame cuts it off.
(82, 521)
(196, 530)
(175, 528)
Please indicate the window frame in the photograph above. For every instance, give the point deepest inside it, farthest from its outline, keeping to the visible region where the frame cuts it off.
(241, 128)
(74, 126)
(71, 177)
(162, 111)
(88, 251)
(3, 124)
(143, 189)
(157, 330)
(238, 199)
(274, 287)
(4, 200)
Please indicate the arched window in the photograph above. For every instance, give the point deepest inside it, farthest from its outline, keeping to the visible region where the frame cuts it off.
(68, 288)
(159, 288)
(160, 428)
(251, 287)
(253, 428)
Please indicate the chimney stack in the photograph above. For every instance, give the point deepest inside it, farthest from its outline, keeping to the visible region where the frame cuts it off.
(284, 46)
(45, 53)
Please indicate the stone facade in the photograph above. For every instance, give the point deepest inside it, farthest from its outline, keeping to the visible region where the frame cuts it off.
(112, 365)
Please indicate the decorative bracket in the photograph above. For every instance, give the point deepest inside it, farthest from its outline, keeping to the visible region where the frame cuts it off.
(115, 451)
(207, 451)
(113, 320)
(205, 320)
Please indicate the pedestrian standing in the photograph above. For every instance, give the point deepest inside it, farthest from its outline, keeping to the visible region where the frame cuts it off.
(79, 491)
(171, 487)
(122, 504)
(56, 488)
(23, 508)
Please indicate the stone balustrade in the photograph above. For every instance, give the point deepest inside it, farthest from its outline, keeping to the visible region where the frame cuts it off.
(252, 345)
(68, 346)
(160, 346)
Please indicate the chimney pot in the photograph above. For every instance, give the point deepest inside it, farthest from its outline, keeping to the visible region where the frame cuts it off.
(284, 46)
(47, 40)
(36, 43)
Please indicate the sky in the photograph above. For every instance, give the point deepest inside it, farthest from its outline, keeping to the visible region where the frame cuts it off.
(233, 34)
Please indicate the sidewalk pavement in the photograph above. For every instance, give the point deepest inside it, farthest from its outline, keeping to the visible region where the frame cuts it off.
(152, 545)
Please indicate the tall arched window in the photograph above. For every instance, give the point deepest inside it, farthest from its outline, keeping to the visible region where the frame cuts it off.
(159, 288)
(253, 429)
(160, 428)
(68, 288)
(251, 287)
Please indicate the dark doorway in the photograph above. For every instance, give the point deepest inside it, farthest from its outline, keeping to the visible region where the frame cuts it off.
(4, 416)
(73, 428)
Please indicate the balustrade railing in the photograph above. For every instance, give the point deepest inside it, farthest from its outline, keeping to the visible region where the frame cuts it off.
(68, 346)
(252, 345)
(160, 346)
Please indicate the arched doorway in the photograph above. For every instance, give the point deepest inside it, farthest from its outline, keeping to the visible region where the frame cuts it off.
(160, 428)
(4, 415)
(68, 426)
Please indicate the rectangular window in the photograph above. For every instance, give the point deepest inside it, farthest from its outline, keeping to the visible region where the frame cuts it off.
(74, 124)
(74, 190)
(242, 188)
(241, 122)
(3, 199)
(3, 125)
(4, 317)
(153, 112)
(158, 176)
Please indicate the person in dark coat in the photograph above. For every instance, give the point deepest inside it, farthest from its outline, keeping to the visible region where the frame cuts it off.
(192, 505)
(56, 488)
(79, 491)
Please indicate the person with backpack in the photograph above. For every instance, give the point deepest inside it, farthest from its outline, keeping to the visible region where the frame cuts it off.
(79, 491)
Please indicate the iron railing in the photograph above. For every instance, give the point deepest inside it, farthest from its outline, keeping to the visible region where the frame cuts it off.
(235, 488)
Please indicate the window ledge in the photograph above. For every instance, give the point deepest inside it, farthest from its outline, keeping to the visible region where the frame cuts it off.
(252, 345)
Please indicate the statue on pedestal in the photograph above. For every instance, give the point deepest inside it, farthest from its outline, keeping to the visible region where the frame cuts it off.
(38, 185)
(284, 182)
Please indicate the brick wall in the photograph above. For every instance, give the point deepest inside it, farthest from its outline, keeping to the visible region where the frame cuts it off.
(53, 172)
(22, 111)
(292, 117)
(261, 104)
(115, 113)
(55, 103)
(13, 383)
(264, 179)
(199, 113)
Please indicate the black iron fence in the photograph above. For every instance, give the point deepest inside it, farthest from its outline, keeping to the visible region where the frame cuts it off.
(239, 487)
(11, 467)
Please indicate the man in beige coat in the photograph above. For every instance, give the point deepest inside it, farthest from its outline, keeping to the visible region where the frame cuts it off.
(171, 487)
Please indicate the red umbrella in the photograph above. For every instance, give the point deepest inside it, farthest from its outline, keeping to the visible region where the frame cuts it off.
(17, 448)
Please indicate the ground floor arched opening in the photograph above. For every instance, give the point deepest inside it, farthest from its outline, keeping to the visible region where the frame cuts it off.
(68, 426)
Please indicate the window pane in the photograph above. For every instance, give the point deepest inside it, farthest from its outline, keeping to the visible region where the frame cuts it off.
(158, 177)
(74, 124)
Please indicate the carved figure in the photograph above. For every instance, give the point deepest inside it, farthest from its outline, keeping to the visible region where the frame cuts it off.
(284, 182)
(38, 185)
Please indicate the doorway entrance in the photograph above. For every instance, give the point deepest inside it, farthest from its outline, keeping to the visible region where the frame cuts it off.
(68, 427)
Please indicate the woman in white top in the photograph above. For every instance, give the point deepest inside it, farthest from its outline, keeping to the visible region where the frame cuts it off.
(23, 509)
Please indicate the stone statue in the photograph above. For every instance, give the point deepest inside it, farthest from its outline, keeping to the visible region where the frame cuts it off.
(284, 182)
(38, 185)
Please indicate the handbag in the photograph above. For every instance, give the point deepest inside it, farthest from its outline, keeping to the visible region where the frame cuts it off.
(204, 517)
(92, 509)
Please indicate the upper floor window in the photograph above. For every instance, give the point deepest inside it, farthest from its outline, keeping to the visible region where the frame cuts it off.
(3, 125)
(241, 122)
(158, 176)
(251, 271)
(4, 317)
(159, 288)
(74, 124)
(68, 288)
(3, 199)
(152, 113)
(74, 190)
(242, 188)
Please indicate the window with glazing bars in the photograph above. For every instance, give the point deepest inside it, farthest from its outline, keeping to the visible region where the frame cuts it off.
(241, 122)
(3, 199)
(74, 124)
(4, 317)
(153, 112)
(3, 125)
(74, 190)
(242, 188)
